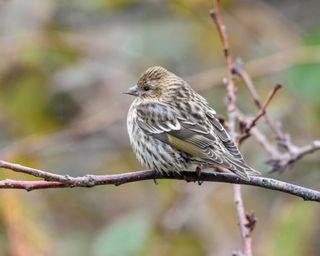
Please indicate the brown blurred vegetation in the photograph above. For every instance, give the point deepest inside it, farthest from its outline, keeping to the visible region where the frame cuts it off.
(63, 67)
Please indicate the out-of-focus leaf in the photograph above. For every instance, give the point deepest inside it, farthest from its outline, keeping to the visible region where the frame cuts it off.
(127, 236)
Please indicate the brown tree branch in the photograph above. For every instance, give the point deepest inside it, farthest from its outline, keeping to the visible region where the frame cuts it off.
(232, 118)
(59, 181)
(33, 172)
(222, 31)
(244, 230)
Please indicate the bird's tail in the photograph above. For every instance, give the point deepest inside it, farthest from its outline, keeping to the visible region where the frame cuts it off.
(244, 171)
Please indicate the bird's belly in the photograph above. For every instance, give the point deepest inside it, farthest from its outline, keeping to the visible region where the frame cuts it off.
(154, 153)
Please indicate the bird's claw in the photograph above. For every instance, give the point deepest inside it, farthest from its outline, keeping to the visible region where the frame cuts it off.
(198, 173)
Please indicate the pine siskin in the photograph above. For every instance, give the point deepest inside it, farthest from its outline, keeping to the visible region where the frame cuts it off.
(172, 128)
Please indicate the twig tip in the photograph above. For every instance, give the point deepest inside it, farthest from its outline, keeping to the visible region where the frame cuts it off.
(278, 86)
(212, 13)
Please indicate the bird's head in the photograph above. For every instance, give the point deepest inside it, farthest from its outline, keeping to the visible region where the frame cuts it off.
(154, 83)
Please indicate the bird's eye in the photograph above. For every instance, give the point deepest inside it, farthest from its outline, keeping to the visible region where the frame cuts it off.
(146, 87)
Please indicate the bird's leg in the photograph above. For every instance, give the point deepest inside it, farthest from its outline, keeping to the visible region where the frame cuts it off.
(198, 172)
(155, 178)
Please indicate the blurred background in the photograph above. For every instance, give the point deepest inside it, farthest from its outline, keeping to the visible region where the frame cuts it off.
(63, 66)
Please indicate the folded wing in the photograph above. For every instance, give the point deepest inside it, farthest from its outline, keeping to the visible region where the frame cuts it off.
(200, 135)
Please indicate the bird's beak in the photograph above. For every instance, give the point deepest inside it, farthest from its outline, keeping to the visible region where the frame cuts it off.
(132, 91)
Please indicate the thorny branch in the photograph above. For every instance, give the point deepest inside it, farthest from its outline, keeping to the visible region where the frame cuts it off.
(58, 181)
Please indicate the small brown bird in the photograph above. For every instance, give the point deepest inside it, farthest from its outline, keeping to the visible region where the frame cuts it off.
(172, 128)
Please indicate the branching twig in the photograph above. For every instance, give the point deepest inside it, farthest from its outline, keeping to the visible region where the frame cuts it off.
(231, 111)
(58, 181)
(281, 161)
(240, 71)
(246, 131)
(265, 105)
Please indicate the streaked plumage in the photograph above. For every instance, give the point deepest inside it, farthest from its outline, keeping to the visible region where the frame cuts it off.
(172, 128)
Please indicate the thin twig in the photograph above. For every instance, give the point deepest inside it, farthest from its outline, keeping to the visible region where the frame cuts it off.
(231, 111)
(264, 142)
(246, 131)
(241, 72)
(245, 231)
(122, 178)
(34, 172)
(264, 106)
(281, 161)
(222, 31)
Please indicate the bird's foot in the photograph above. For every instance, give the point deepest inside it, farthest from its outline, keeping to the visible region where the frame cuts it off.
(198, 173)
(155, 178)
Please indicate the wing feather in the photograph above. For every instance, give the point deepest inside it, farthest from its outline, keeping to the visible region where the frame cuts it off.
(209, 142)
(157, 118)
(224, 136)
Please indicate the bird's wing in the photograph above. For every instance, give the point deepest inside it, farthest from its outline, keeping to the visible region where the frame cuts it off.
(191, 134)
(156, 118)
(224, 136)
